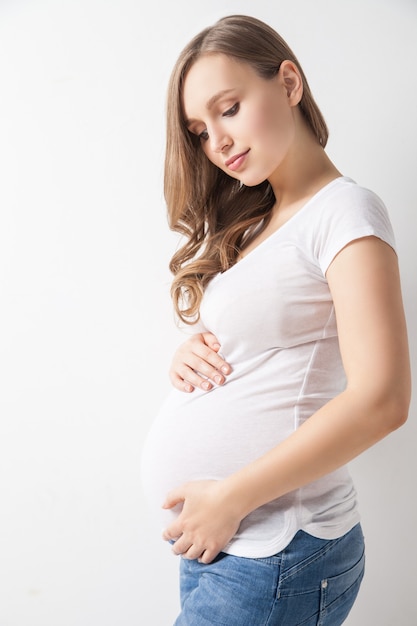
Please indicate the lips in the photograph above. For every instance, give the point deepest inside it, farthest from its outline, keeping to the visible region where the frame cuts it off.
(236, 160)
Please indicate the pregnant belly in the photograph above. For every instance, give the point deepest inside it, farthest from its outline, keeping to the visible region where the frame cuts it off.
(207, 436)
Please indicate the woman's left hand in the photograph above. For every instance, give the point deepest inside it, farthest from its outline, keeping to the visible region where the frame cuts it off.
(207, 522)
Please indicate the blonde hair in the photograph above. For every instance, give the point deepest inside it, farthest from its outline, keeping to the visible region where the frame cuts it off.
(209, 208)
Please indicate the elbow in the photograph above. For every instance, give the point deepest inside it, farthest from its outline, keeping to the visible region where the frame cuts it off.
(390, 397)
(396, 408)
(386, 407)
(397, 419)
(395, 393)
(401, 416)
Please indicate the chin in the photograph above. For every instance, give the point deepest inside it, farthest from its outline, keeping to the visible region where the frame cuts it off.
(252, 182)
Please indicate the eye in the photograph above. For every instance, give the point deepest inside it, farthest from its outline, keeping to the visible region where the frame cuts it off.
(232, 111)
(203, 135)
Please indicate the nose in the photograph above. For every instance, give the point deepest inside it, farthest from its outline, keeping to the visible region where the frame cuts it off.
(219, 141)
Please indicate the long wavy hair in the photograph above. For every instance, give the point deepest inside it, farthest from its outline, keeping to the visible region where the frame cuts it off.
(215, 214)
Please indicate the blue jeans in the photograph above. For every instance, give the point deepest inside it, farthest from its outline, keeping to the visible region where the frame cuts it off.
(312, 582)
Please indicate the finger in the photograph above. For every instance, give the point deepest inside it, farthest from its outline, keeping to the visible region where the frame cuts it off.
(216, 361)
(184, 377)
(187, 380)
(212, 341)
(172, 533)
(172, 499)
(193, 552)
(181, 548)
(179, 383)
(205, 347)
(199, 375)
(199, 369)
(205, 362)
(207, 557)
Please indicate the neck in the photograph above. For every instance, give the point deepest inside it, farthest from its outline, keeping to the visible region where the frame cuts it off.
(306, 169)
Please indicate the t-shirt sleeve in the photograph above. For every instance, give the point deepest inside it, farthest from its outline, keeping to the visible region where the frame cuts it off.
(352, 213)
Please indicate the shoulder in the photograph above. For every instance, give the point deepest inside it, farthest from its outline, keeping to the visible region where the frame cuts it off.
(347, 211)
(344, 197)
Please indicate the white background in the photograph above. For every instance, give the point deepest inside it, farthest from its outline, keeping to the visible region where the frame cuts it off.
(86, 325)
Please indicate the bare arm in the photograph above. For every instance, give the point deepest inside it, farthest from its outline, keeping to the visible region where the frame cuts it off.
(365, 286)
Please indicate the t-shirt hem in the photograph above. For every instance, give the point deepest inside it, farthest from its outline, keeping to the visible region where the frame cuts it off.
(264, 550)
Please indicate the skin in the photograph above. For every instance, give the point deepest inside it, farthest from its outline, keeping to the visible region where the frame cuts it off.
(198, 354)
(363, 280)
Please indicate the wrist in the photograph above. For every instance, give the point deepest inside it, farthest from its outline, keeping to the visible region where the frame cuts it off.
(238, 495)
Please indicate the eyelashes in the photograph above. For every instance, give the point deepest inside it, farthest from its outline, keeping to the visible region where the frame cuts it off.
(232, 111)
(229, 113)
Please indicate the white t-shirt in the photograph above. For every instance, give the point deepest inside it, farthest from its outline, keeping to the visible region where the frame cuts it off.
(274, 317)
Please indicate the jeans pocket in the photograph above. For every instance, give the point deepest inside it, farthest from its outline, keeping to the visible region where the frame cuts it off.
(338, 594)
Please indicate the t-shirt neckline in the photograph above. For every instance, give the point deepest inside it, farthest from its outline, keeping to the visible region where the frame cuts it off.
(294, 218)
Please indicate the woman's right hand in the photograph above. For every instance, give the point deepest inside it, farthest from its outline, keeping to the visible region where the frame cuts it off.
(196, 363)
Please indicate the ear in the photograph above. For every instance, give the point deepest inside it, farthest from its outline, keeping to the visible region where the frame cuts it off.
(292, 81)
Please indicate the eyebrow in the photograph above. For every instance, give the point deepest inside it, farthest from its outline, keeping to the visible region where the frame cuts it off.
(212, 101)
(217, 97)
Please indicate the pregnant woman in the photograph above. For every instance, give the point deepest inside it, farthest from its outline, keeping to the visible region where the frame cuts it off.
(298, 356)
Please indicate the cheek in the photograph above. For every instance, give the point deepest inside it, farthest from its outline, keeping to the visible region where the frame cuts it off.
(213, 157)
(272, 123)
(216, 159)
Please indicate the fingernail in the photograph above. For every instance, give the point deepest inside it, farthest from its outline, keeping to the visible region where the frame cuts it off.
(206, 386)
(225, 369)
(218, 380)
(216, 345)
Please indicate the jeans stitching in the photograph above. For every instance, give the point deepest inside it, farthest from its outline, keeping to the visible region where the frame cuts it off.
(293, 571)
(324, 591)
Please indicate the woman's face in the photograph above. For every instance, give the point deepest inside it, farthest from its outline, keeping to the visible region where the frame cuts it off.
(246, 124)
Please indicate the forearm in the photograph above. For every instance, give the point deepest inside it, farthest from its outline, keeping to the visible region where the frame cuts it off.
(337, 433)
